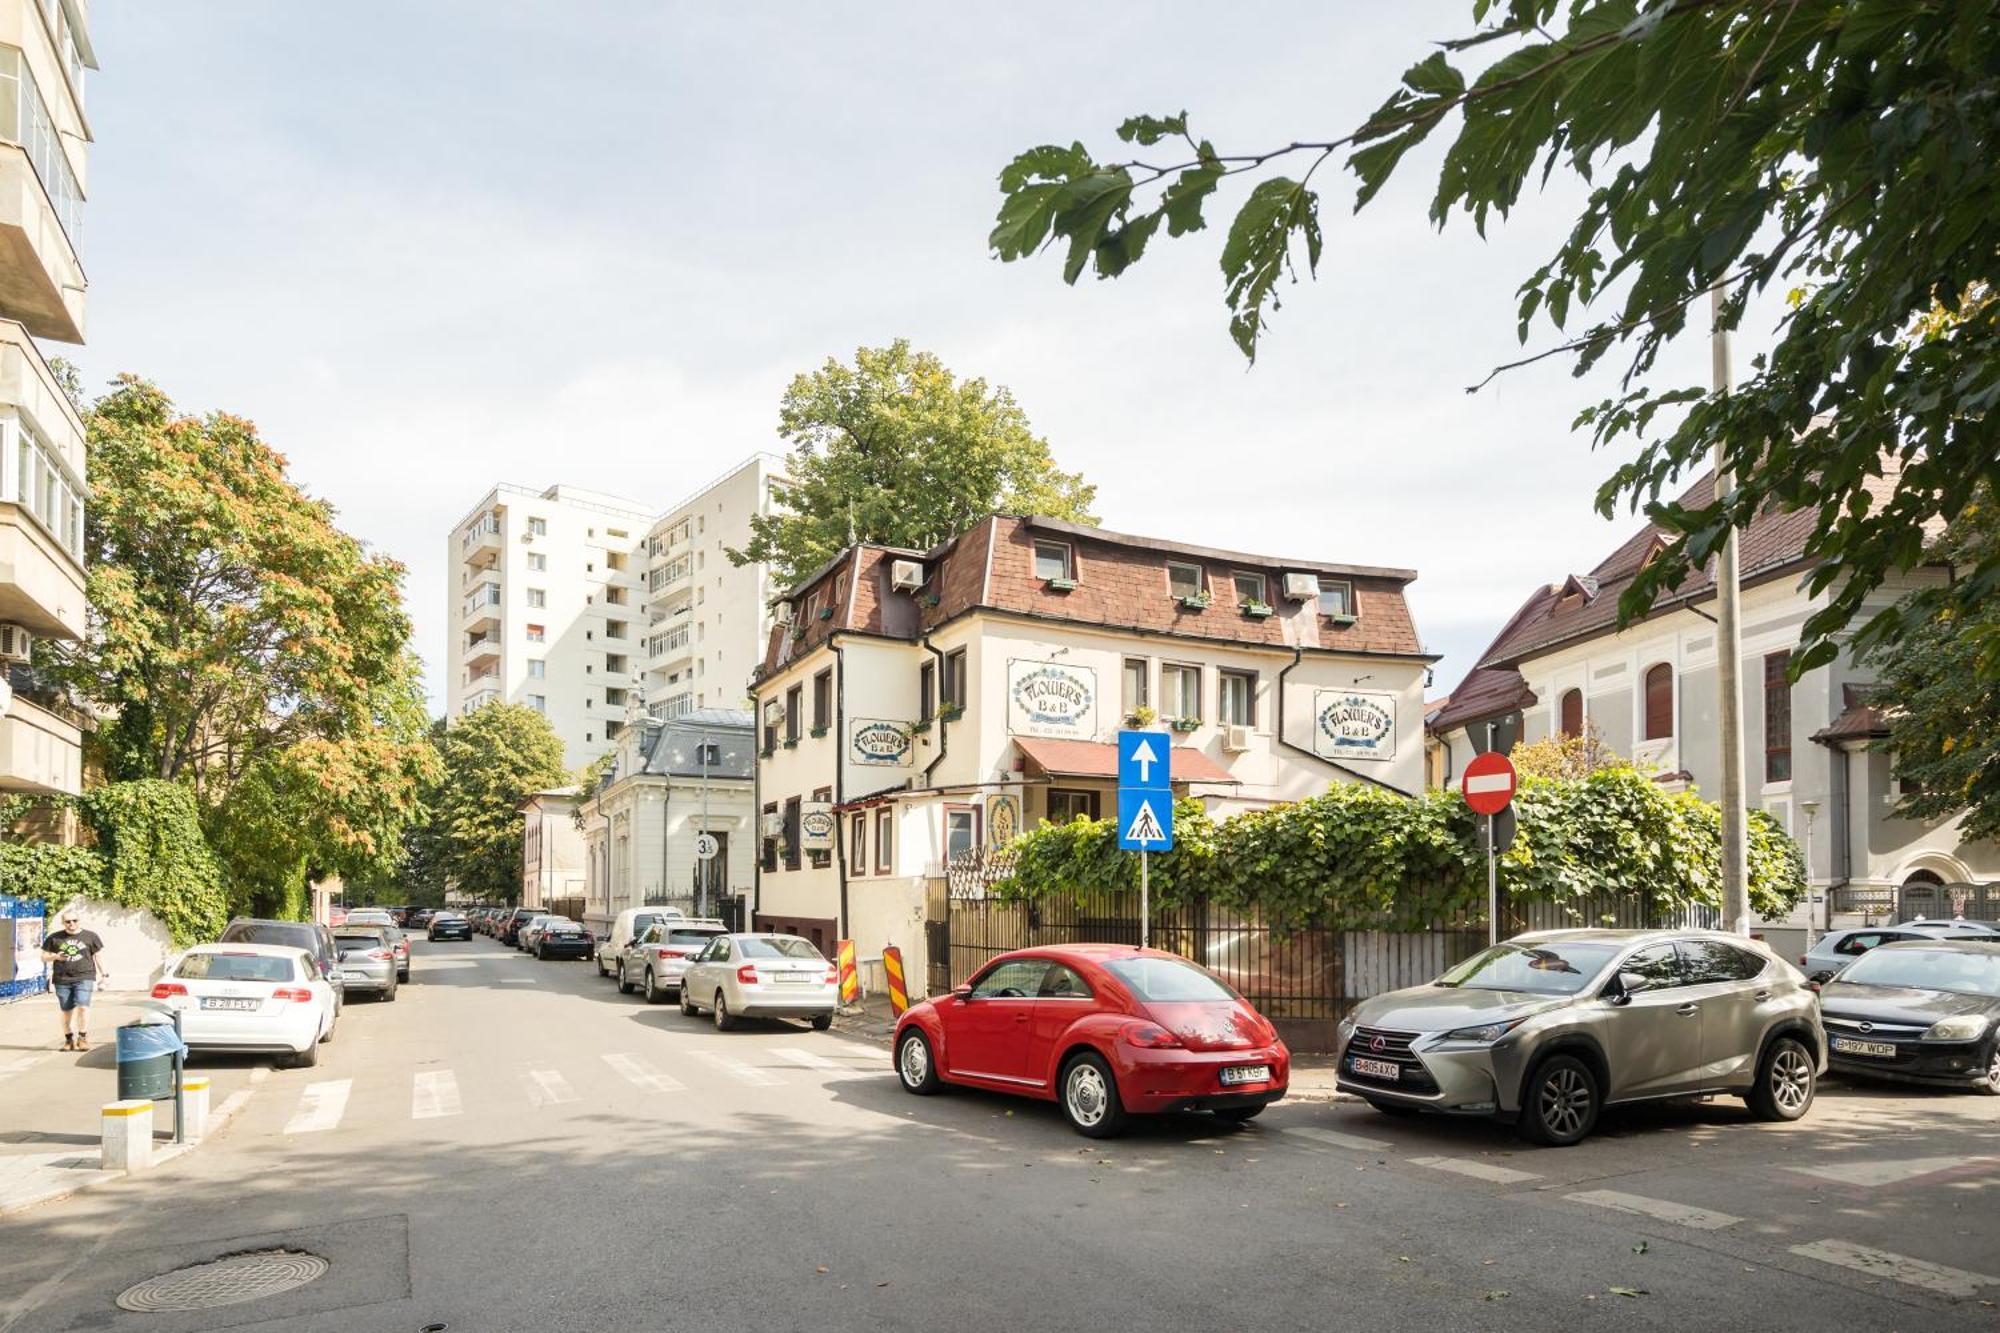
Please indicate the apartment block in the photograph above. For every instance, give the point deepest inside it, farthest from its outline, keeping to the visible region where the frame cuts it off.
(44, 137)
(707, 618)
(545, 599)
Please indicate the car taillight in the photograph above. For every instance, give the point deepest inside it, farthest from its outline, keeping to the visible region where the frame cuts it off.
(833, 976)
(747, 974)
(166, 988)
(383, 954)
(296, 994)
(1151, 1036)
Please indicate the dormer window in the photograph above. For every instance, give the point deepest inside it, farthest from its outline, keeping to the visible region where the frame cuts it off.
(1184, 580)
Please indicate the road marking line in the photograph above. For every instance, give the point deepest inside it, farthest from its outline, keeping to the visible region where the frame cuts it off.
(1338, 1140)
(517, 981)
(24, 1064)
(736, 1069)
(1897, 1267)
(1888, 1173)
(1681, 1214)
(546, 1087)
(321, 1106)
(641, 1074)
(434, 1094)
(1499, 1175)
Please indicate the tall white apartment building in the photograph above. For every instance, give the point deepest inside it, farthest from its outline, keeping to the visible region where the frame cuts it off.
(44, 53)
(707, 618)
(546, 603)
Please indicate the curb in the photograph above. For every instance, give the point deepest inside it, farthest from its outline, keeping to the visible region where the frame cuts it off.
(218, 1119)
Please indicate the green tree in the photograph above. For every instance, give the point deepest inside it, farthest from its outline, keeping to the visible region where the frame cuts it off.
(896, 449)
(1846, 152)
(493, 757)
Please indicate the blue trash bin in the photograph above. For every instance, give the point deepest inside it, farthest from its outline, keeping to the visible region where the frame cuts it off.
(146, 1051)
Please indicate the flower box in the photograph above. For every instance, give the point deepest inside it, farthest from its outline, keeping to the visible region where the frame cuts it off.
(1185, 724)
(1059, 585)
(826, 613)
(1256, 610)
(921, 725)
(1341, 620)
(951, 712)
(1198, 602)
(791, 742)
(818, 732)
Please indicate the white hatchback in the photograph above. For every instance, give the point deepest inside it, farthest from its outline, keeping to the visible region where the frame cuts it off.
(250, 997)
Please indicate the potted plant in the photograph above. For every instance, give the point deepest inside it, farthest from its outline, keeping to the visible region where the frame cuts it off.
(1185, 724)
(1341, 618)
(791, 742)
(818, 732)
(929, 599)
(1194, 602)
(1257, 610)
(1059, 585)
(951, 712)
(1142, 716)
(921, 725)
(826, 613)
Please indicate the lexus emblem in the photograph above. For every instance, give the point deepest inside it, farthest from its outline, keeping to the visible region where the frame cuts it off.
(1377, 1044)
(1867, 1027)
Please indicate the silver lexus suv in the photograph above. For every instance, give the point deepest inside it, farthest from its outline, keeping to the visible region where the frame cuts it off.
(1548, 1028)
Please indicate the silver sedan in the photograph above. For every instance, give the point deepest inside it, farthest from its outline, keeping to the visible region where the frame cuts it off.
(761, 976)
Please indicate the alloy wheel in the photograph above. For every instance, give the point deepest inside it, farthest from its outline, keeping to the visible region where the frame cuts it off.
(1993, 1071)
(1791, 1079)
(1086, 1094)
(916, 1062)
(1565, 1102)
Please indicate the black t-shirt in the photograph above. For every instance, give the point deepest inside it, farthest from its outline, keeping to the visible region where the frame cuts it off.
(76, 954)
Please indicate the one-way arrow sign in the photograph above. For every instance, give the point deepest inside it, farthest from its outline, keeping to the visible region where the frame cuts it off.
(1143, 762)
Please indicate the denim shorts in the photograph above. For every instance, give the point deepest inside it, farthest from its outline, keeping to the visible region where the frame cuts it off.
(74, 994)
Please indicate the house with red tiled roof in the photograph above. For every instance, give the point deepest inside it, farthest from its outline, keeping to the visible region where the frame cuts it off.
(919, 708)
(1561, 663)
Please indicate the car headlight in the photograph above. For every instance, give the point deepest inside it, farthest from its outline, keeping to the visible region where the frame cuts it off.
(1484, 1034)
(1965, 1027)
(1343, 1030)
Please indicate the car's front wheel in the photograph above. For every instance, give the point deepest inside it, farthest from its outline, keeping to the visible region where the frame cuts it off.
(1785, 1082)
(688, 1007)
(654, 995)
(1090, 1097)
(1561, 1102)
(624, 987)
(914, 1066)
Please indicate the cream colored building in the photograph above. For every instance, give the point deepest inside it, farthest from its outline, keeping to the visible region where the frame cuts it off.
(44, 136)
(918, 709)
(545, 599)
(706, 616)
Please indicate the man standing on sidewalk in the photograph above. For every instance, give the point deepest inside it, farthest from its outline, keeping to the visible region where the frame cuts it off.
(72, 954)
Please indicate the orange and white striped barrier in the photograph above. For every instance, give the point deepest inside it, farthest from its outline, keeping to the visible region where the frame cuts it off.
(892, 966)
(850, 980)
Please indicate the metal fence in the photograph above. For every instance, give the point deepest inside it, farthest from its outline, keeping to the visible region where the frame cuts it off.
(1906, 902)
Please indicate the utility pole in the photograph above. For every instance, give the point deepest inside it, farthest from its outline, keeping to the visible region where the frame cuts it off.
(1729, 671)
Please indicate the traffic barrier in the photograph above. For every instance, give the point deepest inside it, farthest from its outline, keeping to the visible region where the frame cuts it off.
(850, 981)
(128, 1136)
(194, 1109)
(892, 967)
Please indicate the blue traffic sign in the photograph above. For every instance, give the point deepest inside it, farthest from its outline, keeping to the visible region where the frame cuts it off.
(1145, 820)
(1145, 761)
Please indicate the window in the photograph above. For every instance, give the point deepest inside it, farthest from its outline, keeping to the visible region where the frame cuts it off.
(857, 844)
(1249, 588)
(537, 597)
(961, 831)
(1184, 580)
(537, 561)
(823, 700)
(44, 490)
(537, 634)
(1236, 698)
(1658, 968)
(792, 833)
(538, 527)
(537, 668)
(1336, 597)
(767, 851)
(954, 678)
(25, 119)
(794, 705)
(1138, 683)
(1570, 713)
(539, 702)
(1180, 691)
(708, 754)
(614, 629)
(1858, 942)
(885, 829)
(1659, 702)
(1054, 560)
(1777, 717)
(1066, 804)
(615, 663)
(614, 698)
(1710, 961)
(926, 691)
(1063, 984)
(1017, 979)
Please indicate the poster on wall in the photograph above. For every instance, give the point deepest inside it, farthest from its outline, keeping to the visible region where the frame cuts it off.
(1051, 699)
(879, 742)
(1354, 724)
(816, 824)
(1003, 819)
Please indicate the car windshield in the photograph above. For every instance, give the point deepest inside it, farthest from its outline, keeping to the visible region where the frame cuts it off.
(776, 946)
(1549, 967)
(694, 936)
(1927, 969)
(234, 967)
(1167, 980)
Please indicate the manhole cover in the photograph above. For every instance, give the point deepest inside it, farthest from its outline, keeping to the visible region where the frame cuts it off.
(231, 1281)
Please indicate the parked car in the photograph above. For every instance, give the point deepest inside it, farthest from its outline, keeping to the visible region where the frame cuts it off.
(448, 926)
(1836, 949)
(530, 931)
(560, 937)
(370, 916)
(1953, 928)
(509, 928)
(625, 930)
(1107, 1031)
(1920, 1010)
(310, 936)
(250, 997)
(367, 961)
(658, 958)
(1549, 1028)
(761, 976)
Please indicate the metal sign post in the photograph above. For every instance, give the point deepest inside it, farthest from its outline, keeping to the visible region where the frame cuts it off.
(1488, 786)
(1145, 904)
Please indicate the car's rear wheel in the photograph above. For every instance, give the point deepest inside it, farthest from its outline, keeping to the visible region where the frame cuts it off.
(602, 970)
(1785, 1082)
(724, 1020)
(390, 993)
(654, 995)
(1237, 1115)
(1393, 1108)
(1090, 1097)
(309, 1057)
(624, 987)
(688, 1007)
(821, 1022)
(1560, 1104)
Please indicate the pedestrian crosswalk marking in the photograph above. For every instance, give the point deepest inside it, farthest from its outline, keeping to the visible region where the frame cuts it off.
(743, 1073)
(1873, 1173)
(320, 1107)
(434, 1094)
(1897, 1267)
(1680, 1214)
(1498, 1175)
(546, 1087)
(641, 1074)
(1338, 1140)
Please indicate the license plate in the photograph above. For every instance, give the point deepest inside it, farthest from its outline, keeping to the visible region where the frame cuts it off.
(1388, 1069)
(1246, 1074)
(1849, 1046)
(796, 978)
(354, 976)
(211, 1002)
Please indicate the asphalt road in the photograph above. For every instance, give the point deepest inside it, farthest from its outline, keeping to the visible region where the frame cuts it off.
(513, 1145)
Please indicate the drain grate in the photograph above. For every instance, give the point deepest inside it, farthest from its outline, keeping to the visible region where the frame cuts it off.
(227, 1281)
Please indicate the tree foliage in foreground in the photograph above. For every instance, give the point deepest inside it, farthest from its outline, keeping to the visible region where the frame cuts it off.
(1846, 152)
(896, 449)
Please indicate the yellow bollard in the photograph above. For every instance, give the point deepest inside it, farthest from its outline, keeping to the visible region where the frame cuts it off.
(899, 993)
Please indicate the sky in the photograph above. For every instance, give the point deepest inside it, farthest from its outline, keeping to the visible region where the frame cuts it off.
(429, 246)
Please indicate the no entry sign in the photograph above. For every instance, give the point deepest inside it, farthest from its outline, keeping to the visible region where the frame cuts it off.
(1488, 783)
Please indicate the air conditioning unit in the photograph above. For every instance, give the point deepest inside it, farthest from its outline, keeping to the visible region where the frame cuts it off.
(16, 643)
(774, 711)
(1301, 587)
(1235, 738)
(782, 613)
(906, 575)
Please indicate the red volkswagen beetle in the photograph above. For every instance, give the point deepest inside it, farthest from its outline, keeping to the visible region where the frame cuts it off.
(1106, 1030)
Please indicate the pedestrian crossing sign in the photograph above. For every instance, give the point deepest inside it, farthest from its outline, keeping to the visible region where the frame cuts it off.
(1145, 821)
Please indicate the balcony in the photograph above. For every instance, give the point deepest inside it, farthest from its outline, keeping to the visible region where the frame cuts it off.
(41, 212)
(479, 699)
(482, 610)
(481, 649)
(479, 546)
(41, 749)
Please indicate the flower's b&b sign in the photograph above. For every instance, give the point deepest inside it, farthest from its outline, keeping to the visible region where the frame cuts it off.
(1354, 724)
(1051, 699)
(816, 826)
(879, 742)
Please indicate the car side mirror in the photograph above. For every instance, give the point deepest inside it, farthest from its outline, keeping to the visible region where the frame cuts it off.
(963, 992)
(1624, 986)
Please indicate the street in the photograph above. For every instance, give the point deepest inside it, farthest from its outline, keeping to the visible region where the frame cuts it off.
(515, 1145)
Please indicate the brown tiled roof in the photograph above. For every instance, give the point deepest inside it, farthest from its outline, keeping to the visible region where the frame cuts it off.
(1492, 691)
(1861, 717)
(1099, 759)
